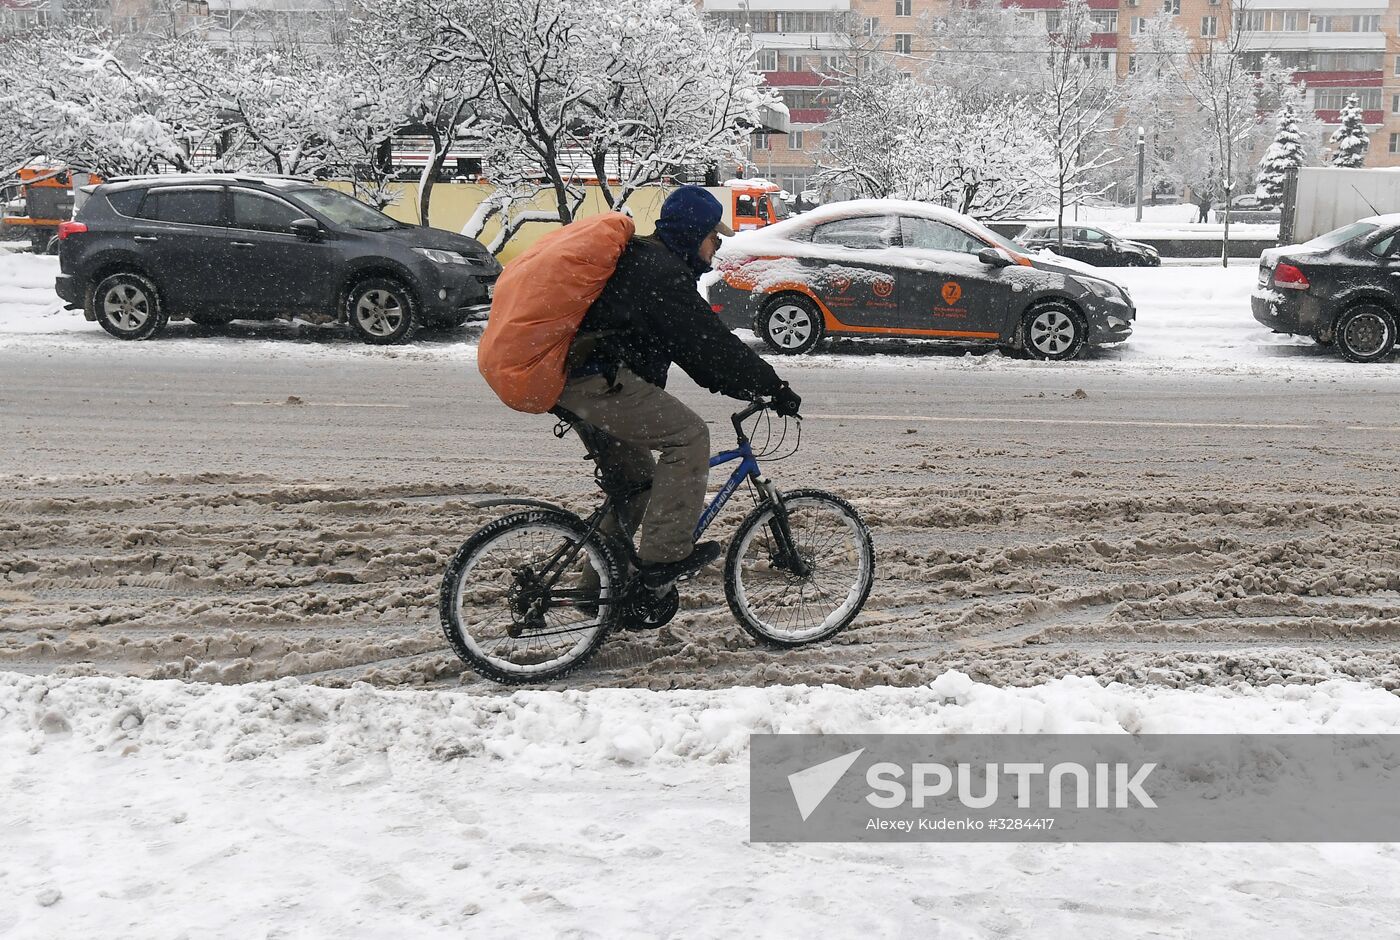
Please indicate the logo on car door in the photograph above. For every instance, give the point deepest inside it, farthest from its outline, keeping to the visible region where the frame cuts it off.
(952, 292)
(883, 288)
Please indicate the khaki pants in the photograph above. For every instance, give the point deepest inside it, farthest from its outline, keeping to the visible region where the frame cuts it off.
(639, 418)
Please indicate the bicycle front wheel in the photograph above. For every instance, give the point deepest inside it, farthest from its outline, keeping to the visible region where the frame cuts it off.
(514, 613)
(776, 605)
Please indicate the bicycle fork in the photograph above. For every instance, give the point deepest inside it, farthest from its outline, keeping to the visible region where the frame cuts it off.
(781, 528)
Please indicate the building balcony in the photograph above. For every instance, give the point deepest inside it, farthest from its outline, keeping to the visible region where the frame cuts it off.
(1103, 41)
(796, 80)
(1258, 41)
(1371, 79)
(1335, 117)
(810, 115)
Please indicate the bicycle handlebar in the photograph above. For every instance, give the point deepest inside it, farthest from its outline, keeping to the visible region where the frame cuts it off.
(739, 417)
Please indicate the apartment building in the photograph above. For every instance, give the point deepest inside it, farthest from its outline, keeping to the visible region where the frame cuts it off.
(1338, 48)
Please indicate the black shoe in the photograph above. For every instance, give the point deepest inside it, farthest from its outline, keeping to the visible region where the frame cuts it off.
(655, 575)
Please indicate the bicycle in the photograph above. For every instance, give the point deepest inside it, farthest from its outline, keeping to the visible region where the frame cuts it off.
(517, 602)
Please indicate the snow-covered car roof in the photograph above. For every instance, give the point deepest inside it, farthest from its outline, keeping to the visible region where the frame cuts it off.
(1390, 218)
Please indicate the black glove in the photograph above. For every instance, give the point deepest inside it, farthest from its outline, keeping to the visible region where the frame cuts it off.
(786, 402)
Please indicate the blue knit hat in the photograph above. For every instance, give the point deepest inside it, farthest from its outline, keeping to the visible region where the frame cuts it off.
(688, 216)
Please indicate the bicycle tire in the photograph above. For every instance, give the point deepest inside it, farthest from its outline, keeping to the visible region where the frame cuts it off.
(585, 637)
(743, 597)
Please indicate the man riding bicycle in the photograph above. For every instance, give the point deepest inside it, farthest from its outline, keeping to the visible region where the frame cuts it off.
(649, 316)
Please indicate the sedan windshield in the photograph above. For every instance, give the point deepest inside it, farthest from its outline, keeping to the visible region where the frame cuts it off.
(1341, 236)
(346, 210)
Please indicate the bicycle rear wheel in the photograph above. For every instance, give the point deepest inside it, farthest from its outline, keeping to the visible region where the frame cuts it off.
(776, 605)
(502, 619)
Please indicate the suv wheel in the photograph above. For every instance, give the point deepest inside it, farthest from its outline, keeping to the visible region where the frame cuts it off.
(382, 311)
(128, 306)
(1365, 333)
(1053, 331)
(791, 325)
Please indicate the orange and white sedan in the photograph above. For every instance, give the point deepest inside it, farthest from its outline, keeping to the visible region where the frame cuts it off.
(884, 267)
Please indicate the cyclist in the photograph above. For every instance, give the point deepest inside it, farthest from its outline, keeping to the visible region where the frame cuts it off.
(649, 316)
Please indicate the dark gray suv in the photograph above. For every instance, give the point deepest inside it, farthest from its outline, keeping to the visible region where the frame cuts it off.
(211, 249)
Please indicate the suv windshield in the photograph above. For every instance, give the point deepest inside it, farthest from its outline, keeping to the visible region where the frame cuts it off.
(346, 210)
(1341, 236)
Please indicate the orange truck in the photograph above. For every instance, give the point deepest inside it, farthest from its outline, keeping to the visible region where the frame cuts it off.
(751, 204)
(47, 202)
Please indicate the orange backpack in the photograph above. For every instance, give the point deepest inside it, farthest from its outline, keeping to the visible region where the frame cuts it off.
(541, 298)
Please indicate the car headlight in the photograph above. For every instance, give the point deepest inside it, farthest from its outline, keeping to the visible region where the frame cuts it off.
(1102, 288)
(441, 257)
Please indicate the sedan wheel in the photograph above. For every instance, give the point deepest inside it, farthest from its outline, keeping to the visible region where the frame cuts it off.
(381, 311)
(1365, 333)
(128, 306)
(791, 325)
(1054, 331)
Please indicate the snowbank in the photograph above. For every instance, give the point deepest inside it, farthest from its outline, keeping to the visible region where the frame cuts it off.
(159, 809)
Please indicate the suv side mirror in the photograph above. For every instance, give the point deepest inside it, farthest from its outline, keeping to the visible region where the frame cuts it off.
(306, 229)
(991, 256)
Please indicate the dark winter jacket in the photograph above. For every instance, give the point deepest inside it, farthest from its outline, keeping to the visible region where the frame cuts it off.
(659, 318)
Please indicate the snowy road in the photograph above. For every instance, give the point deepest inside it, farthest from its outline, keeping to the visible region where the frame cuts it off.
(1208, 516)
(234, 508)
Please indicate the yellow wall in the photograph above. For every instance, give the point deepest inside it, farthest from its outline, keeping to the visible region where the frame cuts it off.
(454, 203)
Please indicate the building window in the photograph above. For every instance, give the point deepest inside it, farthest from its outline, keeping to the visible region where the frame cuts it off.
(1397, 65)
(794, 140)
(903, 43)
(903, 7)
(1395, 143)
(768, 60)
(1395, 104)
(1334, 99)
(1208, 26)
(1171, 6)
(761, 142)
(872, 24)
(1136, 24)
(1104, 21)
(1132, 64)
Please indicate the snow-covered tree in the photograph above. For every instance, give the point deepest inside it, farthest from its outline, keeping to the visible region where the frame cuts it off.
(1154, 100)
(1218, 78)
(1350, 141)
(978, 154)
(1284, 155)
(1079, 101)
(74, 98)
(289, 111)
(980, 48)
(624, 93)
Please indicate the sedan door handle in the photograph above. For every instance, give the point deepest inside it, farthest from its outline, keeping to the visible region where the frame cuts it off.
(145, 238)
(242, 244)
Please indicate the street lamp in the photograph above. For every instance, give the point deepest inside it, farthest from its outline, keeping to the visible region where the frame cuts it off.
(1141, 150)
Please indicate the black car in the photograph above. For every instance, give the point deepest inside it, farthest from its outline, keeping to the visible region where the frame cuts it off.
(1090, 245)
(889, 268)
(212, 249)
(1342, 287)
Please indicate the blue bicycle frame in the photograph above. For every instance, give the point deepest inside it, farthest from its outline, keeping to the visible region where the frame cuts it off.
(748, 468)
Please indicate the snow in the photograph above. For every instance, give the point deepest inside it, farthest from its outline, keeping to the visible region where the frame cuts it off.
(139, 808)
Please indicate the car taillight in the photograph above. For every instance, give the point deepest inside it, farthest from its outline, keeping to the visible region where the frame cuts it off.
(1290, 277)
(70, 228)
(717, 308)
